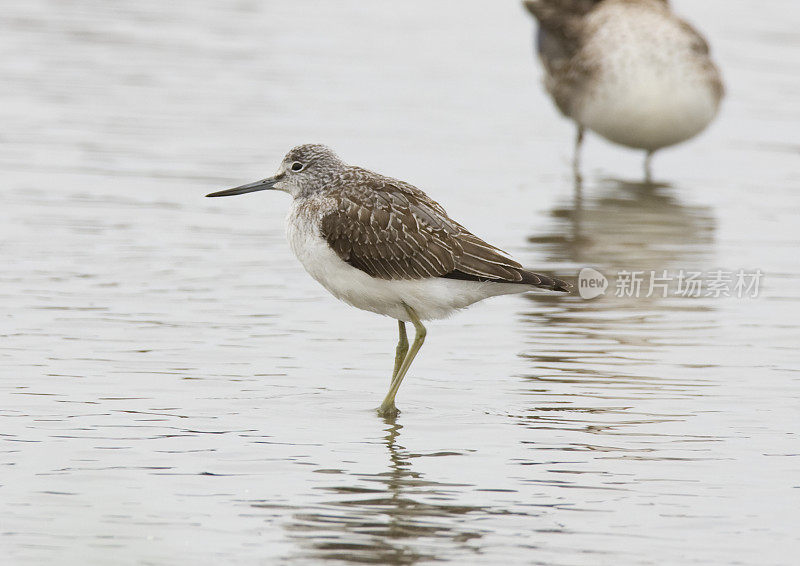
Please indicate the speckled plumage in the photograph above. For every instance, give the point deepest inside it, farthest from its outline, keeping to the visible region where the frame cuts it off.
(392, 230)
(629, 70)
(382, 245)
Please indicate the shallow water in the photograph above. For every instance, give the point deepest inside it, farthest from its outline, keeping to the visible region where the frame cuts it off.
(176, 390)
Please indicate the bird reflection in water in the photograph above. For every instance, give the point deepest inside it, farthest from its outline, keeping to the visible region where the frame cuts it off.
(393, 517)
(628, 225)
(598, 365)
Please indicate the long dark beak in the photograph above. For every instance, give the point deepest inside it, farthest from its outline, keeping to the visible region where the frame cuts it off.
(262, 185)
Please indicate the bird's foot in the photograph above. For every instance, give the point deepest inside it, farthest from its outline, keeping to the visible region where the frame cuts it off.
(388, 411)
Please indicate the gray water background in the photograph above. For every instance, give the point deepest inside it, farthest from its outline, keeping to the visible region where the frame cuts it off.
(174, 388)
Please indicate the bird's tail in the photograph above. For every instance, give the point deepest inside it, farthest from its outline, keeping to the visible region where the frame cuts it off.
(543, 281)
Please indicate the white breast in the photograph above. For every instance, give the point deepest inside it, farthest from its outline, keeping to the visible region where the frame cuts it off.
(431, 298)
(652, 90)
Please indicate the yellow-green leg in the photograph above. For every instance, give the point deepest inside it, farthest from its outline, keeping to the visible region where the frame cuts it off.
(402, 348)
(387, 408)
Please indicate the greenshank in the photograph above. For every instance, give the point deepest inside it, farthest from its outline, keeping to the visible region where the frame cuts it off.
(382, 245)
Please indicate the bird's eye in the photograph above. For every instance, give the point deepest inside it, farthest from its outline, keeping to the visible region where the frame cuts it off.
(297, 166)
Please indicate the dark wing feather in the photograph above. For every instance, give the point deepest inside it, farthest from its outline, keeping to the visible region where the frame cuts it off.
(392, 230)
(387, 232)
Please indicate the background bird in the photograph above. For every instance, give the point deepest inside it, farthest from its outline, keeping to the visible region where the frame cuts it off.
(383, 245)
(629, 70)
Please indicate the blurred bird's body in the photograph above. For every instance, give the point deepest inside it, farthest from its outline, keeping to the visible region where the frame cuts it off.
(382, 245)
(629, 70)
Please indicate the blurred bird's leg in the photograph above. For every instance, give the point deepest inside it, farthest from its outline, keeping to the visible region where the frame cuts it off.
(648, 167)
(388, 408)
(576, 157)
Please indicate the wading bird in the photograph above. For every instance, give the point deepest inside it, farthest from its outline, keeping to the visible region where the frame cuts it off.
(382, 245)
(629, 70)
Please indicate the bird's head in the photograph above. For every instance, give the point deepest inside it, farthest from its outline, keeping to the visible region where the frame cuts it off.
(305, 169)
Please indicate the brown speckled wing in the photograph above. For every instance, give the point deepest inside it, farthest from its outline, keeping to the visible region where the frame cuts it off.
(392, 230)
(389, 232)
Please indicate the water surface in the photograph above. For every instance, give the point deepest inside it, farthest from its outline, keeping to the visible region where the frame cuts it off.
(176, 390)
